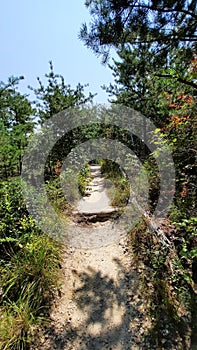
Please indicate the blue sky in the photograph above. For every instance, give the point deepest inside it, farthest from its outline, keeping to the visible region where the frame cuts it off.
(33, 32)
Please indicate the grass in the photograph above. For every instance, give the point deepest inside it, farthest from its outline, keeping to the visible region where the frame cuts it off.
(29, 270)
(29, 282)
(18, 324)
(34, 264)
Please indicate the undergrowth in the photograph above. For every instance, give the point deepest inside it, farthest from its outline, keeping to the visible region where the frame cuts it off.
(29, 269)
(167, 287)
(117, 185)
(84, 179)
(65, 189)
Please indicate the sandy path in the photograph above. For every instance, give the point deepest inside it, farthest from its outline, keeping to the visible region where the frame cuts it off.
(100, 306)
(97, 200)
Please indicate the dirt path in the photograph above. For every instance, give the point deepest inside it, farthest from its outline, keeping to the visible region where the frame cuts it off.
(100, 306)
(97, 199)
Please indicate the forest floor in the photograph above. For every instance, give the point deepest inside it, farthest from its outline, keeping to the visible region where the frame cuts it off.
(101, 303)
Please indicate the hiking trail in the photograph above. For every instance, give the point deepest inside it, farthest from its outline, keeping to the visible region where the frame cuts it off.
(100, 305)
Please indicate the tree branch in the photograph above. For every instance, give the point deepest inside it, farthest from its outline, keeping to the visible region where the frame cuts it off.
(181, 80)
(152, 8)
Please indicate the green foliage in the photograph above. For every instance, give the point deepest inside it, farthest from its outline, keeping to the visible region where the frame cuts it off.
(30, 261)
(29, 267)
(116, 183)
(33, 267)
(16, 323)
(151, 169)
(57, 96)
(165, 287)
(55, 194)
(28, 281)
(76, 184)
(16, 123)
(117, 23)
(14, 219)
(135, 86)
(83, 179)
(155, 73)
(186, 241)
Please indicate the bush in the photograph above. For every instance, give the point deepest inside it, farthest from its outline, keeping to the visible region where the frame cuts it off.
(117, 184)
(29, 269)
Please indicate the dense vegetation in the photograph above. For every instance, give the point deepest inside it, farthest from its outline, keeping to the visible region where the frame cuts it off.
(30, 260)
(155, 73)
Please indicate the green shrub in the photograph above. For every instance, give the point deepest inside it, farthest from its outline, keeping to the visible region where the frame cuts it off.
(29, 281)
(15, 222)
(116, 182)
(29, 270)
(84, 178)
(34, 264)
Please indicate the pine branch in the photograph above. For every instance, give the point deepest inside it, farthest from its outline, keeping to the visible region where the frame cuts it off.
(154, 8)
(181, 80)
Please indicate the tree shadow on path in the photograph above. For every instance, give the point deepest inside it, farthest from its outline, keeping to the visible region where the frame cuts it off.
(111, 309)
